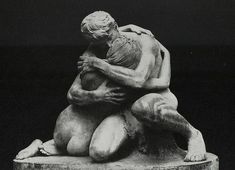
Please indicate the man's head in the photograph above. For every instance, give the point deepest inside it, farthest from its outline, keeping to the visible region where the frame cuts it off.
(98, 26)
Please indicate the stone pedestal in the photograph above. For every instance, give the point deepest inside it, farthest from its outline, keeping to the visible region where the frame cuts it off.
(135, 161)
(162, 153)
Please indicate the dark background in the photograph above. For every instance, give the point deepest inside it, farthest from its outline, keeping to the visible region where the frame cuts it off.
(40, 42)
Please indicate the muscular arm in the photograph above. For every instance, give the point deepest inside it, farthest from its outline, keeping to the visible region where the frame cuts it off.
(76, 95)
(163, 81)
(133, 78)
(136, 29)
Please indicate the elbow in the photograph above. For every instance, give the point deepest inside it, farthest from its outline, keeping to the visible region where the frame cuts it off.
(165, 84)
(165, 52)
(139, 82)
(70, 97)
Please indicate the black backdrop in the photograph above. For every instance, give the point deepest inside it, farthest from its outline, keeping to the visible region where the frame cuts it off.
(40, 42)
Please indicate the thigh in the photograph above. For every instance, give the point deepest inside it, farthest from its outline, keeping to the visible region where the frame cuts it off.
(74, 121)
(108, 137)
(145, 105)
(170, 98)
(151, 108)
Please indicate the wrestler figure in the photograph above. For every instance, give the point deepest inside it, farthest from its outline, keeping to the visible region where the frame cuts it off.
(76, 124)
(158, 108)
(151, 73)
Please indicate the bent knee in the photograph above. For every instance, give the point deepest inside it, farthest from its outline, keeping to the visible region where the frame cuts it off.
(107, 138)
(99, 153)
(165, 112)
(153, 108)
(144, 105)
(78, 146)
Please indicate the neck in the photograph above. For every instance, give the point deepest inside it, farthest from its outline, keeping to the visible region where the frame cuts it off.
(113, 36)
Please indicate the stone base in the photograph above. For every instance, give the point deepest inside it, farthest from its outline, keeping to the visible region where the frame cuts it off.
(135, 161)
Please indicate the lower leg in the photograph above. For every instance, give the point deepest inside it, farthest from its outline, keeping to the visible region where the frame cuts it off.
(173, 121)
(31, 150)
(108, 138)
(158, 113)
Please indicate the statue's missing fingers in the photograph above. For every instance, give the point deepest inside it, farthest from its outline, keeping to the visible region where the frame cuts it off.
(120, 96)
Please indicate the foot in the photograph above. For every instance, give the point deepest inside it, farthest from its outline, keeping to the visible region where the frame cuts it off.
(196, 148)
(49, 148)
(30, 151)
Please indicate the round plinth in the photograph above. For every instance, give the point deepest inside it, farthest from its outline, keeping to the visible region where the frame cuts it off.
(134, 161)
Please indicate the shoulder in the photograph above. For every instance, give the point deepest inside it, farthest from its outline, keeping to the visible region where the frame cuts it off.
(149, 44)
(143, 39)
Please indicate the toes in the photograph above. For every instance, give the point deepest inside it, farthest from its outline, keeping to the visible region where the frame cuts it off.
(40, 146)
(195, 158)
(187, 159)
(44, 152)
(18, 156)
(21, 155)
(202, 157)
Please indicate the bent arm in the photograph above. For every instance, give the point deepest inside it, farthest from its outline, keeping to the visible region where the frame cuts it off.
(76, 95)
(125, 28)
(163, 81)
(133, 78)
(136, 29)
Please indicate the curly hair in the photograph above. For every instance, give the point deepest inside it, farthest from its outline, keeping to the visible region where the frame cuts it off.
(97, 25)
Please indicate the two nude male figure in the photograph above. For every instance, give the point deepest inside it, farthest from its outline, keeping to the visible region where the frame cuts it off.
(93, 124)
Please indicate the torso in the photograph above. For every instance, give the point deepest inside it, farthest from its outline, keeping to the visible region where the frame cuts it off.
(166, 93)
(101, 51)
(156, 51)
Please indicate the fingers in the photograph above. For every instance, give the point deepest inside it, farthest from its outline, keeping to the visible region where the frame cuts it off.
(144, 31)
(113, 95)
(84, 67)
(83, 57)
(138, 32)
(106, 60)
(116, 101)
(119, 94)
(79, 69)
(80, 65)
(115, 89)
(44, 152)
(150, 33)
(82, 60)
(113, 102)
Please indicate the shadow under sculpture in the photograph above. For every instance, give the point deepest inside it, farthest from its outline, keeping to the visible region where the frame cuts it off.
(120, 95)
